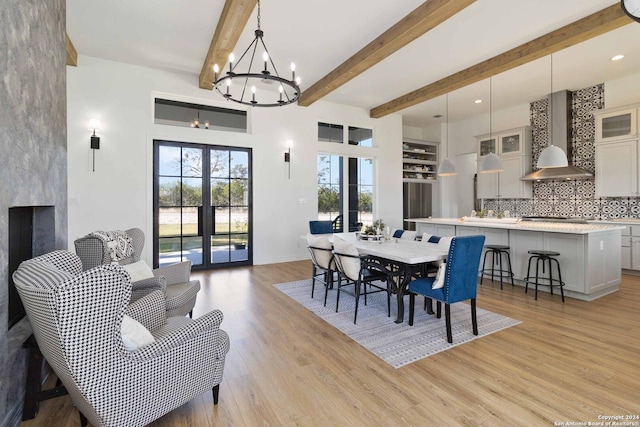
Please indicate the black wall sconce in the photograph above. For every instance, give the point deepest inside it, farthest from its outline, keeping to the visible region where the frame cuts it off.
(287, 156)
(95, 140)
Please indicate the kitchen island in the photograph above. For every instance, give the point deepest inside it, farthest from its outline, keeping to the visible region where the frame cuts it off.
(589, 253)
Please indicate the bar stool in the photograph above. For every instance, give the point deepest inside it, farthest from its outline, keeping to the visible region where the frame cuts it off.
(541, 256)
(496, 251)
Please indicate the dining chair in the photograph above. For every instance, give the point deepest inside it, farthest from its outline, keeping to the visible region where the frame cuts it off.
(403, 234)
(320, 227)
(460, 281)
(359, 270)
(323, 265)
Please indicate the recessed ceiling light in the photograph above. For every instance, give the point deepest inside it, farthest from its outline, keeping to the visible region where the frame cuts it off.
(478, 101)
(437, 116)
(617, 57)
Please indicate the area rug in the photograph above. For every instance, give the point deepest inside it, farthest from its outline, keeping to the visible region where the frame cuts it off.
(396, 344)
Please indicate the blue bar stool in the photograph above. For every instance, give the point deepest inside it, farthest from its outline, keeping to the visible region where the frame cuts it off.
(496, 251)
(541, 256)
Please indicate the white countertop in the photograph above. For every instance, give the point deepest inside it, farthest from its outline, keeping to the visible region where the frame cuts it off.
(552, 227)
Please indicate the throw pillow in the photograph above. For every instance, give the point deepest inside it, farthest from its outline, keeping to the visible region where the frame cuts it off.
(134, 334)
(350, 265)
(439, 280)
(323, 258)
(138, 271)
(445, 242)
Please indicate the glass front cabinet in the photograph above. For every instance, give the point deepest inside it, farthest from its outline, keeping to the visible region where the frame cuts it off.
(617, 124)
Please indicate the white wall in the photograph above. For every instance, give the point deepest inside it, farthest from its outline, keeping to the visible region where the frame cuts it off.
(118, 195)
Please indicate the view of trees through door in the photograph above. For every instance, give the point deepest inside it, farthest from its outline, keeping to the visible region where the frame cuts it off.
(202, 204)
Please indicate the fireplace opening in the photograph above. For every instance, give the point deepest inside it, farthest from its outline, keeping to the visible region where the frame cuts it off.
(31, 233)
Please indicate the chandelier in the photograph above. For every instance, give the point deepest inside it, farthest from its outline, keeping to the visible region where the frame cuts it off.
(233, 84)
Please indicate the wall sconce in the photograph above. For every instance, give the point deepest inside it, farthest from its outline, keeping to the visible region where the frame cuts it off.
(95, 140)
(287, 156)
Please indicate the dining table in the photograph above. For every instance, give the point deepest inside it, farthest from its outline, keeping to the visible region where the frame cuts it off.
(404, 254)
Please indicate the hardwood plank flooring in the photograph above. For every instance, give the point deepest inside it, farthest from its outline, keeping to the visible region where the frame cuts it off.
(287, 367)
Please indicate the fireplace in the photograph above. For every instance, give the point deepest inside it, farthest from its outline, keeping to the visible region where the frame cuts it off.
(31, 233)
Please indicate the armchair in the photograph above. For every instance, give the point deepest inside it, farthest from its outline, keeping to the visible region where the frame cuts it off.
(180, 290)
(460, 281)
(76, 319)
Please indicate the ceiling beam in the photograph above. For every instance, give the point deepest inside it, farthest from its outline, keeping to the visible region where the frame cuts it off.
(72, 54)
(425, 17)
(601, 22)
(233, 19)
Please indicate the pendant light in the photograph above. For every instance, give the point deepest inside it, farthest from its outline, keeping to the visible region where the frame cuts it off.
(447, 168)
(491, 163)
(552, 156)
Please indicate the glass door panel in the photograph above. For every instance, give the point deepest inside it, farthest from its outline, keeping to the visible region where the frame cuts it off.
(201, 191)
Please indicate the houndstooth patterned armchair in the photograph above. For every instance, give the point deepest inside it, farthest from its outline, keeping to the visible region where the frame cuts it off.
(181, 291)
(76, 319)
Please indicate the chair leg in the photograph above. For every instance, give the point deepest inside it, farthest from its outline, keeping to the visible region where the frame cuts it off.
(216, 392)
(474, 318)
(559, 279)
(510, 269)
(428, 305)
(526, 279)
(412, 301)
(358, 284)
(447, 317)
(83, 419)
(500, 265)
(538, 277)
(191, 313)
(313, 278)
(484, 261)
(438, 309)
(327, 283)
(339, 286)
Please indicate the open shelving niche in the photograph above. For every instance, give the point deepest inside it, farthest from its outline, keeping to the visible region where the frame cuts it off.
(419, 161)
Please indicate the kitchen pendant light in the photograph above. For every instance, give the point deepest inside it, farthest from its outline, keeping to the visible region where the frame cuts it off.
(552, 156)
(447, 168)
(491, 163)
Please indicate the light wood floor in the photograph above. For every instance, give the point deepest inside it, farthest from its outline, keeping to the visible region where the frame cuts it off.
(565, 362)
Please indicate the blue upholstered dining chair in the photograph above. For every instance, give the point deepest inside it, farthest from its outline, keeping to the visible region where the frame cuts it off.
(460, 281)
(320, 227)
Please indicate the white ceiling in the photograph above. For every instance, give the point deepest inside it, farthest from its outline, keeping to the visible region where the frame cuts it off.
(319, 35)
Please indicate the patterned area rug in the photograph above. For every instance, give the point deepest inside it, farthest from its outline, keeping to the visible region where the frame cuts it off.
(396, 344)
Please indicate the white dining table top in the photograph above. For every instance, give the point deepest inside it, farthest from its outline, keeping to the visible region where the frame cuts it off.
(404, 251)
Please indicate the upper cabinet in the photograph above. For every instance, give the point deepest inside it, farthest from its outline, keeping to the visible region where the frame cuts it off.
(419, 161)
(514, 148)
(512, 142)
(617, 151)
(617, 124)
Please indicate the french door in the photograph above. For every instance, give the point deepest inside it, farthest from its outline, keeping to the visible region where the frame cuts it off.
(202, 204)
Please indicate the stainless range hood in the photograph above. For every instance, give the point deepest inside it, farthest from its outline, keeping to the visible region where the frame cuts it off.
(561, 137)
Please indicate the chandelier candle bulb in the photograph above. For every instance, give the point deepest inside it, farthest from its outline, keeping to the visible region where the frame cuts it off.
(265, 57)
(253, 94)
(293, 71)
(231, 59)
(216, 70)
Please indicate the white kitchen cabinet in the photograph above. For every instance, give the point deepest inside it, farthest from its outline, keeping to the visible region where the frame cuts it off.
(419, 161)
(511, 142)
(514, 148)
(616, 124)
(506, 184)
(617, 171)
(630, 243)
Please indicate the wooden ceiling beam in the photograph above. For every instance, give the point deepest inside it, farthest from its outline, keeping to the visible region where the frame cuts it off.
(233, 19)
(601, 22)
(72, 54)
(425, 17)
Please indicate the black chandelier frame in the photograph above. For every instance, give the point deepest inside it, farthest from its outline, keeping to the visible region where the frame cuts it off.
(222, 82)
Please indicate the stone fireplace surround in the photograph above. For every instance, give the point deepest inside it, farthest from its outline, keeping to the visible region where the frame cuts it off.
(33, 160)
